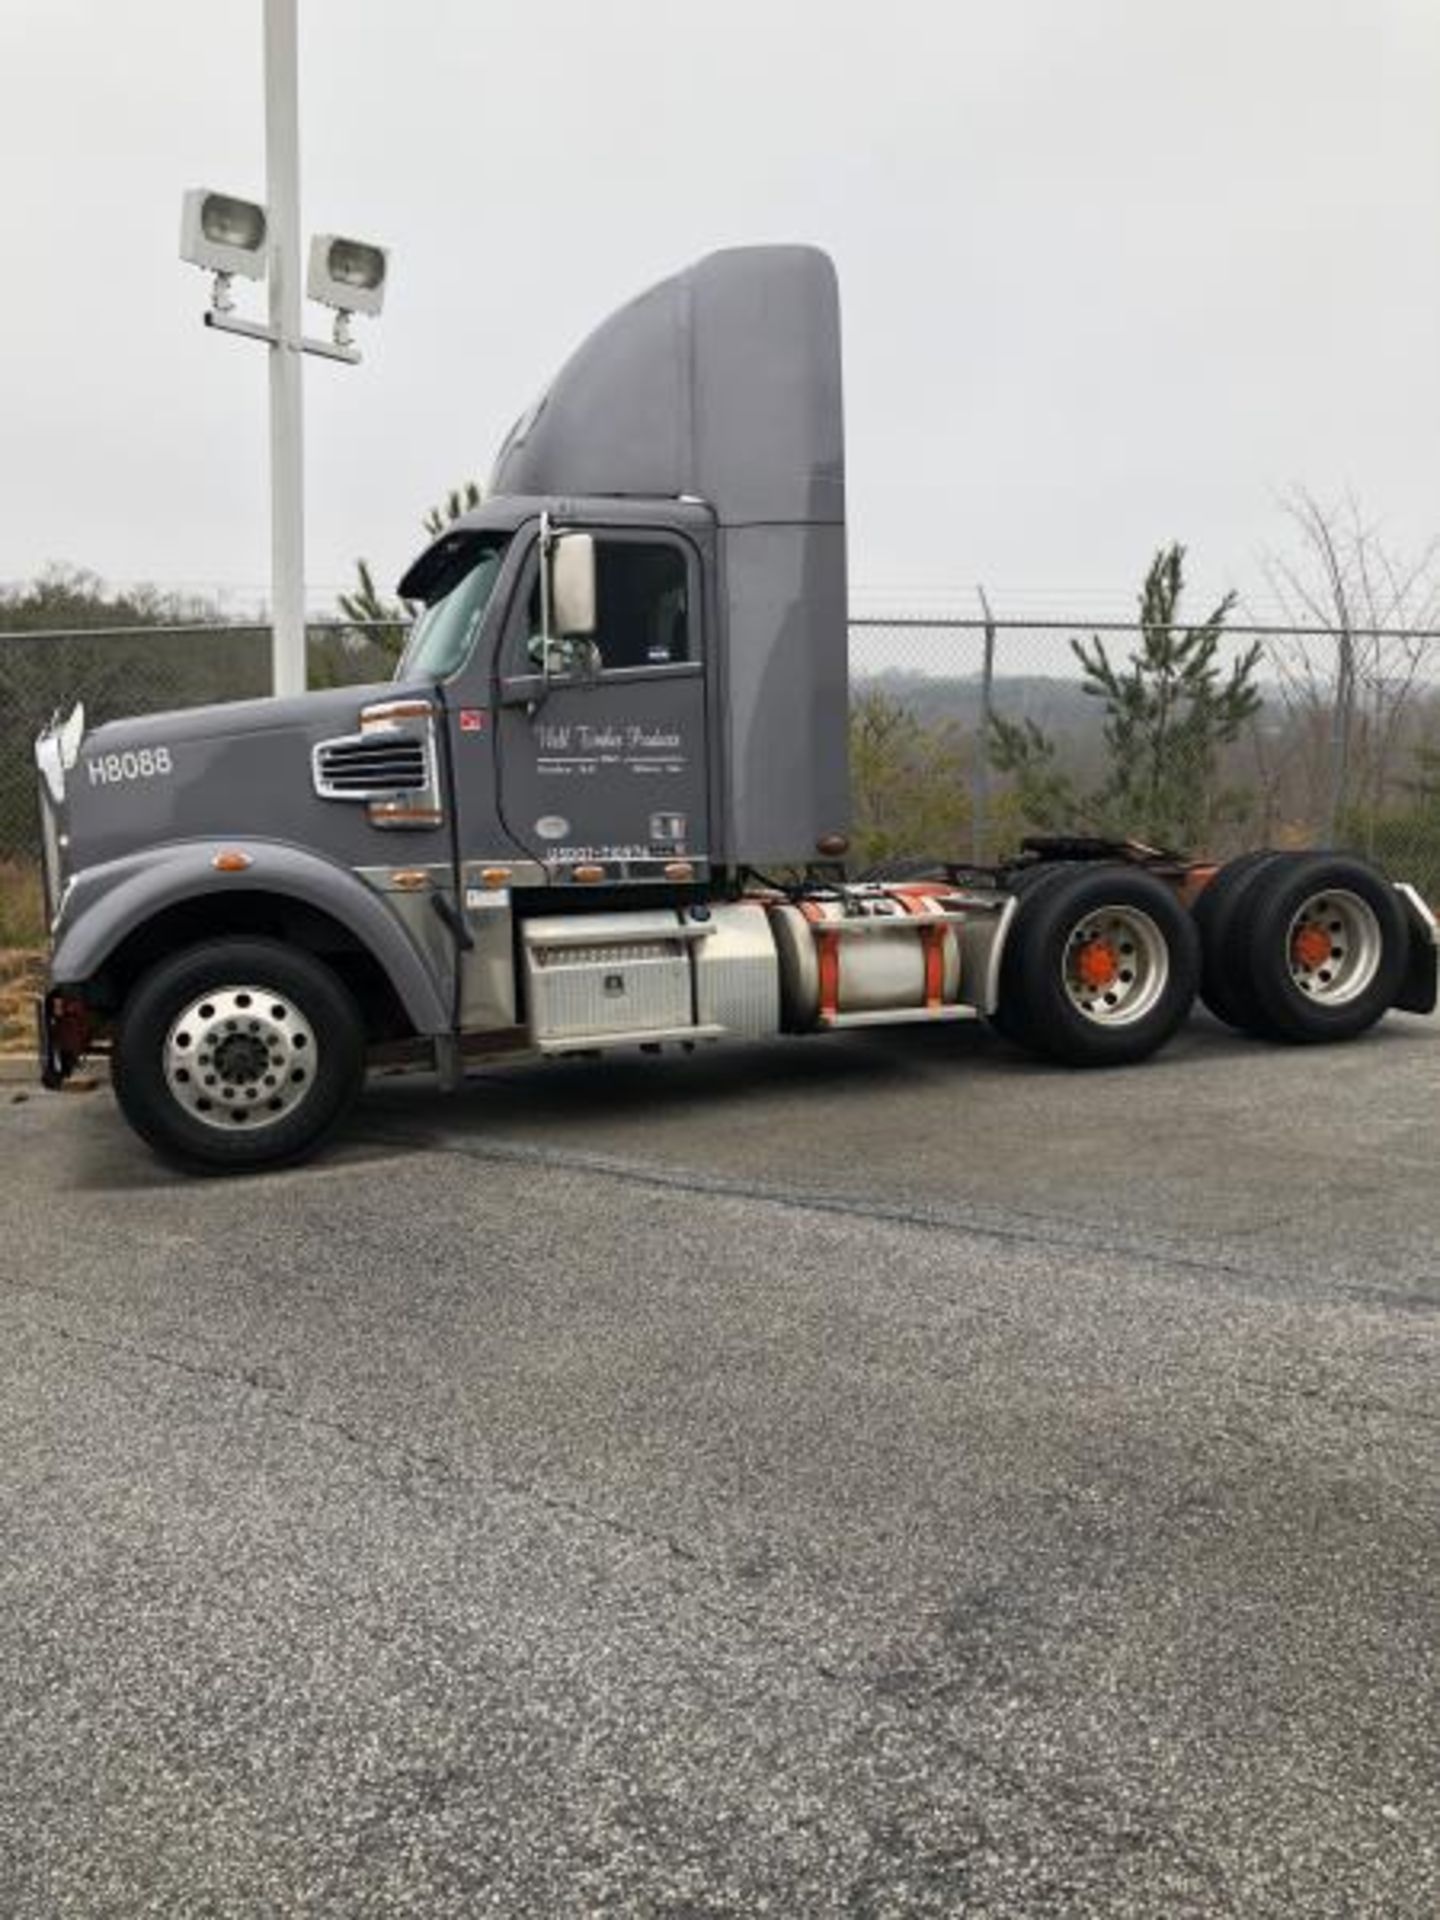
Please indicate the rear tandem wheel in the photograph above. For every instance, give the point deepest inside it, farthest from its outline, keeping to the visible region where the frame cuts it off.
(1225, 983)
(1301, 947)
(1100, 967)
(1326, 943)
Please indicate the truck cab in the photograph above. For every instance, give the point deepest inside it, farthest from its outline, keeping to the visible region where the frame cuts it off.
(604, 800)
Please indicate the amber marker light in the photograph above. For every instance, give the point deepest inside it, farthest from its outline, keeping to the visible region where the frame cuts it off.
(231, 860)
(389, 711)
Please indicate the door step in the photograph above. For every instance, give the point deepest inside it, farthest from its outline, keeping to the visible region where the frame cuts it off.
(898, 1017)
(600, 1042)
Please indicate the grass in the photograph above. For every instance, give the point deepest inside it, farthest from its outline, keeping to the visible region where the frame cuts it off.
(22, 905)
(22, 951)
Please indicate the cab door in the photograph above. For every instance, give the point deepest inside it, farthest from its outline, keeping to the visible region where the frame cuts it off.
(602, 762)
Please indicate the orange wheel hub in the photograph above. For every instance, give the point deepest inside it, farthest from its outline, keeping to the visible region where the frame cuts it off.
(1310, 948)
(1097, 964)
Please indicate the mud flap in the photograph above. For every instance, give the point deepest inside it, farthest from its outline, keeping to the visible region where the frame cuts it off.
(62, 1037)
(1421, 985)
(52, 1069)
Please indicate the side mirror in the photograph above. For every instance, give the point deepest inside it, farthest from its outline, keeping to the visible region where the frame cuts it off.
(572, 585)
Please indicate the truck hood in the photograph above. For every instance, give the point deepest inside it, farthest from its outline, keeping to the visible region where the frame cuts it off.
(231, 719)
(238, 770)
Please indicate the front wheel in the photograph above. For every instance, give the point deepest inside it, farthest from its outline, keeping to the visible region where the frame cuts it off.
(237, 1055)
(1100, 968)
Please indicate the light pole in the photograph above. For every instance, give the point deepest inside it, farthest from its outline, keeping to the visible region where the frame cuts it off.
(287, 418)
(227, 236)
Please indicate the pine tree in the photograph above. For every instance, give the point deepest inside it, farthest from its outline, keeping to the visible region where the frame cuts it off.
(459, 500)
(366, 605)
(1169, 709)
(1168, 712)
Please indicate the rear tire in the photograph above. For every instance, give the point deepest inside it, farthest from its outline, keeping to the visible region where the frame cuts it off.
(237, 1055)
(1221, 919)
(1100, 968)
(1326, 944)
(1010, 1016)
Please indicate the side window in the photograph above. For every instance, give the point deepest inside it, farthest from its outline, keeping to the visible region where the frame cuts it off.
(642, 611)
(642, 604)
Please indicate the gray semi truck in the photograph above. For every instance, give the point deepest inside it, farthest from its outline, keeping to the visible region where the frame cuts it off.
(603, 802)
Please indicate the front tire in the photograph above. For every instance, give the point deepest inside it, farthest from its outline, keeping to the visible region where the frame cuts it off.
(1101, 966)
(237, 1055)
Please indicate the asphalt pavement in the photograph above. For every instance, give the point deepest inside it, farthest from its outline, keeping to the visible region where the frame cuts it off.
(872, 1475)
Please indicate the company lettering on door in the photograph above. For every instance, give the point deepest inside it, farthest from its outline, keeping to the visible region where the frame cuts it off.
(579, 748)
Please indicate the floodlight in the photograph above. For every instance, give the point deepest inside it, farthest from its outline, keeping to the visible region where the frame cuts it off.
(348, 275)
(223, 234)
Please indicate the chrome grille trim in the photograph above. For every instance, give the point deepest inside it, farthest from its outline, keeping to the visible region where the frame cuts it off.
(362, 767)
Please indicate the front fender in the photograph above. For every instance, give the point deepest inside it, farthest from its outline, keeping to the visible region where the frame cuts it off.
(106, 903)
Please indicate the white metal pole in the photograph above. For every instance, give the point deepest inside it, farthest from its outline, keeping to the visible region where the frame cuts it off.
(287, 445)
(980, 799)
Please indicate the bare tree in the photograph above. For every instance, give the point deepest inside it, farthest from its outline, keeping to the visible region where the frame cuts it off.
(1350, 692)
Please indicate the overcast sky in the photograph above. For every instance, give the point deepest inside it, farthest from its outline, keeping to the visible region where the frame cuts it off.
(1112, 271)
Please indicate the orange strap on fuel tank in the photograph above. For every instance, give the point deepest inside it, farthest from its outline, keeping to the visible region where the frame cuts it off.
(827, 953)
(932, 941)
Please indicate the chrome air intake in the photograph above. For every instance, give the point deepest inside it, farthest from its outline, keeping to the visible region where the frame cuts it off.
(390, 765)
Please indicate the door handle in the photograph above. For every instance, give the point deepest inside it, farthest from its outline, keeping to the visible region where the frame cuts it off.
(528, 691)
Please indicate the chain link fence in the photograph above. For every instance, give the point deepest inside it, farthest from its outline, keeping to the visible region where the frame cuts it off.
(119, 671)
(965, 734)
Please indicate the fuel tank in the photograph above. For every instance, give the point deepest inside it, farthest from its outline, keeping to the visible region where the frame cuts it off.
(875, 953)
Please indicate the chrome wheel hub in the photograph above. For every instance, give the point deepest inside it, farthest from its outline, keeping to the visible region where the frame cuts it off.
(240, 1057)
(1115, 965)
(1334, 946)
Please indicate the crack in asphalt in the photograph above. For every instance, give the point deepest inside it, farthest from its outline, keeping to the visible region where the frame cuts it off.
(1008, 1225)
(442, 1466)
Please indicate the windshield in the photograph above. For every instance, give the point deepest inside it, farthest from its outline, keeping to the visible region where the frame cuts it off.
(442, 637)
